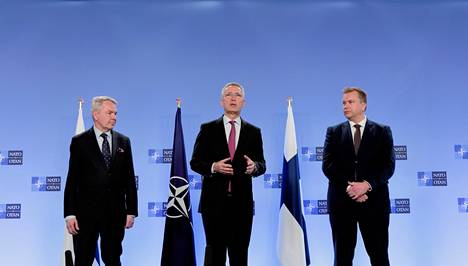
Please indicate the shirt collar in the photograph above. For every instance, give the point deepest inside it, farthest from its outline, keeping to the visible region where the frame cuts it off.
(362, 123)
(226, 120)
(99, 132)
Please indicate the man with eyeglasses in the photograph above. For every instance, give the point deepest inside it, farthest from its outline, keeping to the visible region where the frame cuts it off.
(228, 152)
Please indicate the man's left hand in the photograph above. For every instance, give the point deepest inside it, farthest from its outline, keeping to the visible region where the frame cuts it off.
(251, 166)
(130, 221)
(362, 198)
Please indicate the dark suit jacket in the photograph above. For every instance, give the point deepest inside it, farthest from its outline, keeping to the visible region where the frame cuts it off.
(374, 163)
(91, 189)
(211, 146)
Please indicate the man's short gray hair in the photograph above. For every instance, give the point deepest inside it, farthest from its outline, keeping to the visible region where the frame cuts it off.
(97, 101)
(234, 84)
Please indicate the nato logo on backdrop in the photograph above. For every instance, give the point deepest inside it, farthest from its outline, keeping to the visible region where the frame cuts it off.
(315, 207)
(45, 183)
(463, 205)
(401, 153)
(158, 156)
(312, 154)
(461, 151)
(13, 157)
(157, 209)
(272, 180)
(432, 179)
(400, 205)
(195, 182)
(10, 211)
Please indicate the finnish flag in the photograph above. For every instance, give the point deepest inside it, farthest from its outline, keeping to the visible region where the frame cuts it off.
(292, 246)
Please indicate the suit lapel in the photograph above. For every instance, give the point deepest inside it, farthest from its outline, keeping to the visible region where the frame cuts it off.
(242, 138)
(347, 138)
(95, 152)
(223, 138)
(114, 143)
(366, 135)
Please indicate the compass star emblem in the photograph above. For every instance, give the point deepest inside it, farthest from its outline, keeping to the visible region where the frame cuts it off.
(178, 204)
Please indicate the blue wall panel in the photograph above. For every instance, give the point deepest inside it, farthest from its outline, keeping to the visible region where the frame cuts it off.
(410, 57)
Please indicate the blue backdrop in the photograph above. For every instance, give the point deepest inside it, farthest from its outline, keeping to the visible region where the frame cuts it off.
(410, 56)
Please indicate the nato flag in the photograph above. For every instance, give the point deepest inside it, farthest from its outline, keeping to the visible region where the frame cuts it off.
(178, 247)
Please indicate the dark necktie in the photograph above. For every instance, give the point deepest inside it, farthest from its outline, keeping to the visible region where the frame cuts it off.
(232, 139)
(106, 150)
(357, 138)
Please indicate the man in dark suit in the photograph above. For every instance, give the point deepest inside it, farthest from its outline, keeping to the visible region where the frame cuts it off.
(358, 160)
(227, 153)
(100, 194)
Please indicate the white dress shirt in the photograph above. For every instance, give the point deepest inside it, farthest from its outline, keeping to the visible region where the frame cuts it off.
(353, 129)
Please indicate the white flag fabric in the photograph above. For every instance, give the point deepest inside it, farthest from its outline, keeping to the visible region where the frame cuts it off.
(68, 238)
(80, 127)
(292, 245)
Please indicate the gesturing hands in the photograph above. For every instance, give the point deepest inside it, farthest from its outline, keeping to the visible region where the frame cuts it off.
(251, 166)
(223, 167)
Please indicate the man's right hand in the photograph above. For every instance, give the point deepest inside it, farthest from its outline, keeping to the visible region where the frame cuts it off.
(223, 168)
(72, 226)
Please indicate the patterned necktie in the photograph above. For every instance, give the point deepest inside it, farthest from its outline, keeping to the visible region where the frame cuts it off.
(357, 138)
(106, 150)
(232, 139)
